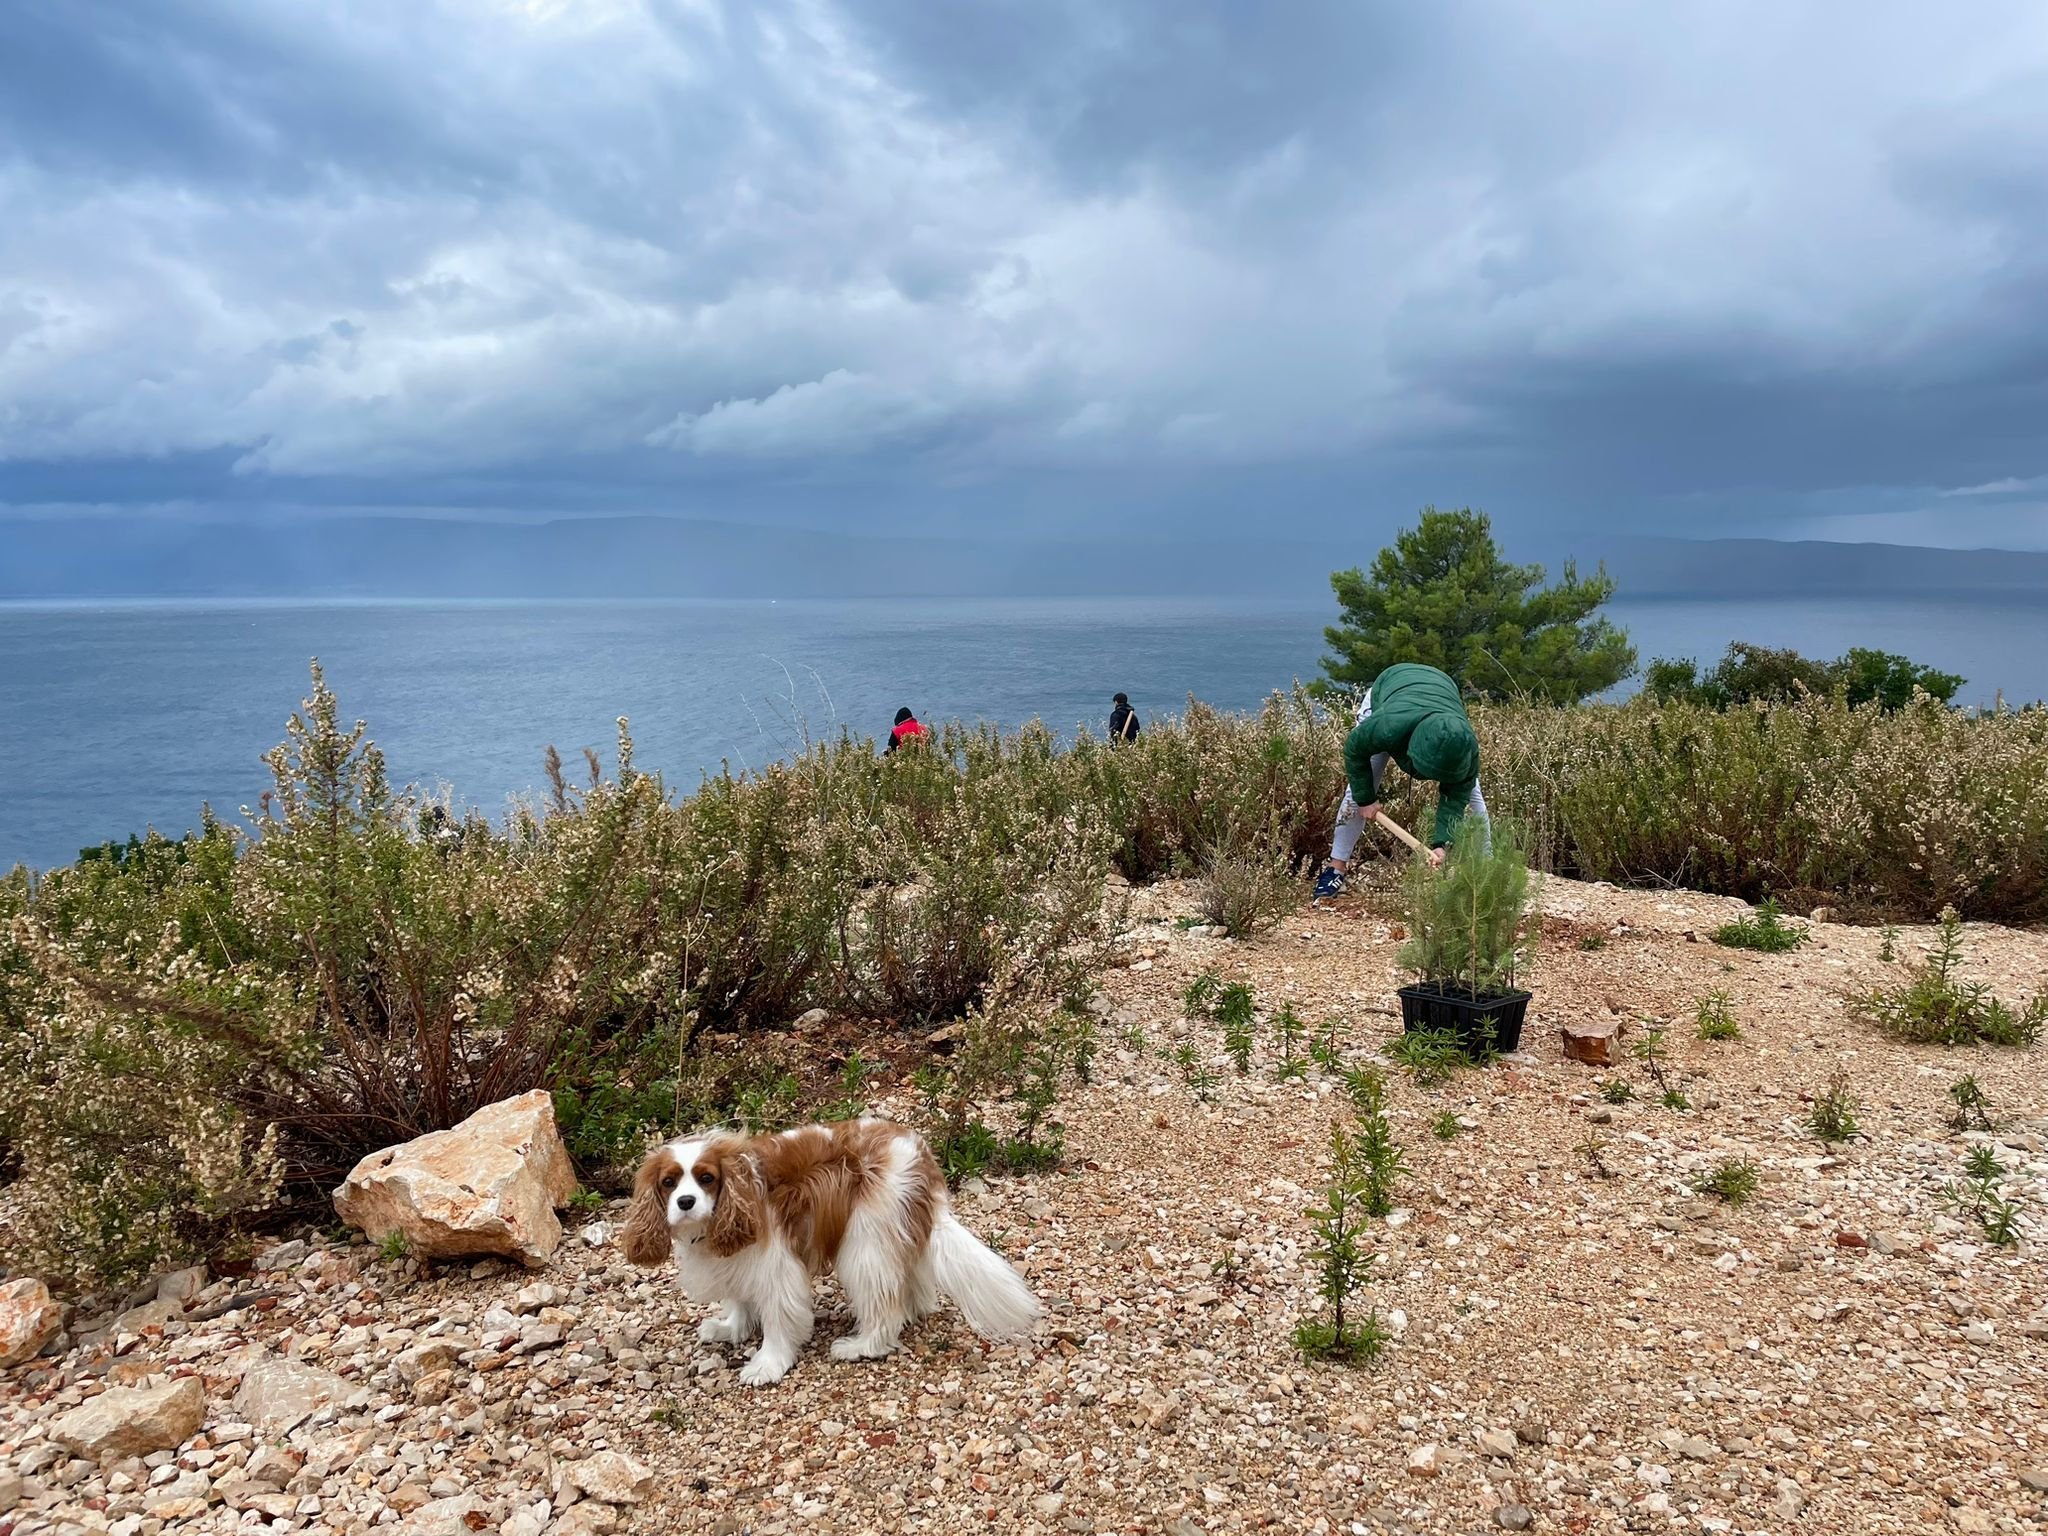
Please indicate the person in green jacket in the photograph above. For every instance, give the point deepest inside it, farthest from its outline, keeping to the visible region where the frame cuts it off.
(1415, 716)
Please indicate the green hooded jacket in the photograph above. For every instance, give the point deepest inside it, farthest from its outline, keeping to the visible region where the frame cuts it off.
(1418, 718)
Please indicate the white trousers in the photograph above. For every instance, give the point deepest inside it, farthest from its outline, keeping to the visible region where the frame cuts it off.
(1351, 816)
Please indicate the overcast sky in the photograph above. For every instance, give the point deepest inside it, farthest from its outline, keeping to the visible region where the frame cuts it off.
(1022, 265)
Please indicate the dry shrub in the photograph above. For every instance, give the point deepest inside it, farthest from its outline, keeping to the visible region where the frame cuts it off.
(1245, 892)
(1911, 811)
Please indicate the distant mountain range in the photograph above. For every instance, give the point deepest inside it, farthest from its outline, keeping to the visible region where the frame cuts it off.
(123, 556)
(1773, 568)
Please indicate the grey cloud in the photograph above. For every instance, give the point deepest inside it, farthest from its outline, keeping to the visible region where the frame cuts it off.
(1164, 253)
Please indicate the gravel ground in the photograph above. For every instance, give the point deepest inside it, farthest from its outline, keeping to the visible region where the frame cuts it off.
(1583, 1343)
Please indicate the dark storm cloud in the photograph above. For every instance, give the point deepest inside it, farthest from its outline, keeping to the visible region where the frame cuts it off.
(1745, 264)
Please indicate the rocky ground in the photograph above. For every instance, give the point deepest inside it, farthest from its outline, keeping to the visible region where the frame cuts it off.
(1582, 1341)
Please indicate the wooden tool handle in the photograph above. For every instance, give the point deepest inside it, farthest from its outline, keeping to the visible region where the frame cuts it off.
(1393, 826)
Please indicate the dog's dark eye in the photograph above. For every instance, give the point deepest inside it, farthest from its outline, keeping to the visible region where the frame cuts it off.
(669, 1182)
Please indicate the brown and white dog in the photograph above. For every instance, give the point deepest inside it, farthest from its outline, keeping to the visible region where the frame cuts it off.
(750, 1219)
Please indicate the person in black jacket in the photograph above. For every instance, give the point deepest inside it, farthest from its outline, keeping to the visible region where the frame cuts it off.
(1123, 720)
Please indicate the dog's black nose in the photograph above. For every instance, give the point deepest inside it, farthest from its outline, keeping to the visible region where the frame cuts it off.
(684, 1202)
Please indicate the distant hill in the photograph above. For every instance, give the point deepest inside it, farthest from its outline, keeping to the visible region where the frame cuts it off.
(1773, 568)
(132, 556)
(629, 557)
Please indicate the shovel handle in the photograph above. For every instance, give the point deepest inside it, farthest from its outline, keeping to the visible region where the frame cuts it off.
(1401, 832)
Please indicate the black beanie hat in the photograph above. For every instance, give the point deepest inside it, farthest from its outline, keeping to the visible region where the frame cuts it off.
(904, 714)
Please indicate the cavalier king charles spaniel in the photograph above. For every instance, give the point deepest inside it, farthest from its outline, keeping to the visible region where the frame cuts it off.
(749, 1220)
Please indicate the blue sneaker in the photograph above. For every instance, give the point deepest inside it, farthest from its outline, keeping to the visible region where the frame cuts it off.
(1329, 884)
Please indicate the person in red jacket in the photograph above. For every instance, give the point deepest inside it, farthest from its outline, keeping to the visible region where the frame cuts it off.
(907, 729)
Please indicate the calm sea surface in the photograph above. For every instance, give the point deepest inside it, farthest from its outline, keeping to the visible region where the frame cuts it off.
(116, 717)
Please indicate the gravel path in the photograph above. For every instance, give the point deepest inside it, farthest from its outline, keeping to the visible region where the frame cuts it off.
(1583, 1342)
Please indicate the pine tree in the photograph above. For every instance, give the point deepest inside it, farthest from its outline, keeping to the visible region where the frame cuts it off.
(1442, 595)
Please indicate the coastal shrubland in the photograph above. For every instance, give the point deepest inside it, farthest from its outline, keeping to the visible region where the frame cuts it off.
(196, 1031)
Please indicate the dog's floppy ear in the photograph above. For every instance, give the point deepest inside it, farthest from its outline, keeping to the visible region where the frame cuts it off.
(739, 1211)
(646, 1238)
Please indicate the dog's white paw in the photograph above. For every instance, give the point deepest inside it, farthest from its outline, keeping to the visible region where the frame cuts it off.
(717, 1330)
(855, 1347)
(764, 1370)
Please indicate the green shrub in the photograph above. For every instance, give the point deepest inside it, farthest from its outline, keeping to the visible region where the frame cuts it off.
(1751, 674)
(1765, 931)
(1935, 1008)
(1444, 1127)
(1911, 811)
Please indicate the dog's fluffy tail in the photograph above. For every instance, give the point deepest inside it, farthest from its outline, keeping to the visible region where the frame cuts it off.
(992, 1295)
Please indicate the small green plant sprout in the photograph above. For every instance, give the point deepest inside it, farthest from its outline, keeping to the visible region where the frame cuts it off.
(1982, 1164)
(1200, 996)
(1327, 1049)
(1431, 1056)
(1765, 931)
(1980, 1196)
(1936, 1008)
(1226, 1269)
(1040, 1142)
(1617, 1090)
(1716, 1020)
(1733, 1179)
(1972, 1106)
(1593, 1150)
(1674, 1098)
(587, 1202)
(1485, 1050)
(1341, 1263)
(1445, 1126)
(1833, 1116)
(2000, 1219)
(394, 1247)
(1235, 1004)
(1648, 1047)
(1380, 1159)
(766, 1105)
(1888, 944)
(852, 1102)
(1367, 1090)
(1196, 1073)
(1592, 941)
(1238, 1039)
(1288, 1031)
